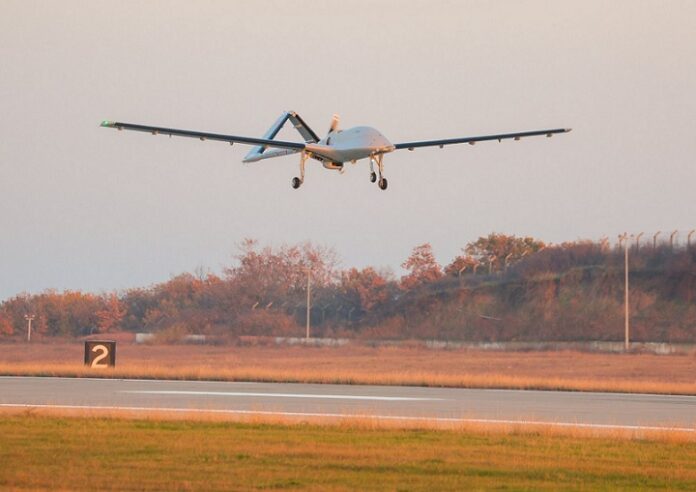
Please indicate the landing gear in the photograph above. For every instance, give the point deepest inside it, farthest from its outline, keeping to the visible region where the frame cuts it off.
(373, 174)
(297, 182)
(382, 181)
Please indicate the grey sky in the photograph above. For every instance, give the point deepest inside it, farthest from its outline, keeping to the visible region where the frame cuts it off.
(83, 207)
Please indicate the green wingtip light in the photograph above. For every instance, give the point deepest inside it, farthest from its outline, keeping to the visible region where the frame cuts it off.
(106, 123)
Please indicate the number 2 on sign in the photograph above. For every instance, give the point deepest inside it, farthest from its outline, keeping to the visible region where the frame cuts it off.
(97, 362)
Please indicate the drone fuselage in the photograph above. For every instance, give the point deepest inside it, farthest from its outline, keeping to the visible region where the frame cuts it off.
(350, 145)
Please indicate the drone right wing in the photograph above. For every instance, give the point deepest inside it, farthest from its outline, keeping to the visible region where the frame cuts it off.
(473, 140)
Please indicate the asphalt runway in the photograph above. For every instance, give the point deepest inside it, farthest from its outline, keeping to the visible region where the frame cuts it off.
(560, 408)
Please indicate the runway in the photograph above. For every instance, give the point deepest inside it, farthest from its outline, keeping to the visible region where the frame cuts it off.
(579, 409)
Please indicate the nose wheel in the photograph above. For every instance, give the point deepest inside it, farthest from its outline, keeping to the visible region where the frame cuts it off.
(296, 182)
(382, 184)
(373, 177)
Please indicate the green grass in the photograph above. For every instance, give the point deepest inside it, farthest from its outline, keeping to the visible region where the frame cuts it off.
(105, 453)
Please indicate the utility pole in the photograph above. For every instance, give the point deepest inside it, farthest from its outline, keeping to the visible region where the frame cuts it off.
(309, 300)
(29, 318)
(624, 238)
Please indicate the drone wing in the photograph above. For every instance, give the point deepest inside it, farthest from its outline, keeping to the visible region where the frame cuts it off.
(156, 130)
(483, 138)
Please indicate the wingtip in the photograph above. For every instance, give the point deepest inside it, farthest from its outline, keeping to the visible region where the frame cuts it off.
(568, 130)
(107, 123)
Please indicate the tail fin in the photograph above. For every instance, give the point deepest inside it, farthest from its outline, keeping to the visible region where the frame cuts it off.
(302, 127)
(259, 152)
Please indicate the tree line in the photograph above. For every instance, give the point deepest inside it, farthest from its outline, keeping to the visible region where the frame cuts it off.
(501, 287)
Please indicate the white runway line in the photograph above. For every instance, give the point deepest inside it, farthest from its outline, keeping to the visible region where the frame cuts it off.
(280, 395)
(359, 416)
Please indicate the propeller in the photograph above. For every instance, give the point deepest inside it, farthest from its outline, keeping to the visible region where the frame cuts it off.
(334, 123)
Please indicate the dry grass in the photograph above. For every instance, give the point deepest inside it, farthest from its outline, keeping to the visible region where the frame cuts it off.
(646, 373)
(413, 378)
(107, 454)
(352, 422)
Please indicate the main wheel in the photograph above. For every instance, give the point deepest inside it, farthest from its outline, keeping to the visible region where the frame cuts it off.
(383, 183)
(373, 177)
(296, 182)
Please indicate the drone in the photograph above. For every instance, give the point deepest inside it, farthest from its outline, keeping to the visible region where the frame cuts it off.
(336, 149)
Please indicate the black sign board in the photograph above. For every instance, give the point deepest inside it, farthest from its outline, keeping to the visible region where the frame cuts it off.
(100, 353)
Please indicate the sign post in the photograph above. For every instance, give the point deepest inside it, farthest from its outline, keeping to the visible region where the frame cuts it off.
(100, 354)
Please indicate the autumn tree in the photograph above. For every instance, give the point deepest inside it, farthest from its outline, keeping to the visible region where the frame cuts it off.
(276, 274)
(460, 265)
(6, 327)
(500, 250)
(109, 318)
(66, 313)
(363, 289)
(422, 267)
(186, 300)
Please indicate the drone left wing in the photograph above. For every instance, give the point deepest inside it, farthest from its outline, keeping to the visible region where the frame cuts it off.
(473, 140)
(156, 130)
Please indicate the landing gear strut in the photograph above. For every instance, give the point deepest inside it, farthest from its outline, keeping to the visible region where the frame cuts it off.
(297, 182)
(379, 160)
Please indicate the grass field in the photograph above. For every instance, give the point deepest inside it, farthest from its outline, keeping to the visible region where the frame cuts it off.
(116, 454)
(370, 365)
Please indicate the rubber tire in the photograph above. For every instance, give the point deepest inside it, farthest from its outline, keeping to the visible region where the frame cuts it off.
(373, 177)
(296, 182)
(382, 184)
